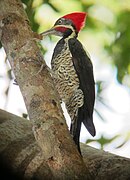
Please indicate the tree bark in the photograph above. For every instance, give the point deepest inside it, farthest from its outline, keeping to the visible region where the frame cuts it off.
(20, 154)
(50, 130)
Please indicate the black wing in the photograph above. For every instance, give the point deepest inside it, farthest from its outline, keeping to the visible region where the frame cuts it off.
(84, 69)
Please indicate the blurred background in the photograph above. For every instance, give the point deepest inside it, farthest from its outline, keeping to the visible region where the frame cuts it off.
(106, 36)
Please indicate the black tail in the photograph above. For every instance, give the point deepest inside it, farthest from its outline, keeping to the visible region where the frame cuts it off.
(75, 132)
(76, 126)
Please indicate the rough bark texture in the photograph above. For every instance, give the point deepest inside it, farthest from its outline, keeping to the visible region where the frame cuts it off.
(41, 99)
(20, 153)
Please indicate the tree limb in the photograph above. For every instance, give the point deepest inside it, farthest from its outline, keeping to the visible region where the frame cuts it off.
(21, 153)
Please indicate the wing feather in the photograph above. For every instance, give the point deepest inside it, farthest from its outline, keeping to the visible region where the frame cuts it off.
(84, 69)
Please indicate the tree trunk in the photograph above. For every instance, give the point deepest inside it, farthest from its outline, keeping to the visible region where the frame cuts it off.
(50, 130)
(20, 154)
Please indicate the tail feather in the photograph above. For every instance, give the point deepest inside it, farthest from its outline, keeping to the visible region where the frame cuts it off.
(75, 132)
(76, 126)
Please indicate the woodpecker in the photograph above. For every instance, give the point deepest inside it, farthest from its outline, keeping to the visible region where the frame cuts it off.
(73, 73)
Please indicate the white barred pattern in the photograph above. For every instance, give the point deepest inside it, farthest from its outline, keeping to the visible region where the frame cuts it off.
(66, 81)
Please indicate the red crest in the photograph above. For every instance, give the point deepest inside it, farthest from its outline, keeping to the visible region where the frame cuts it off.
(78, 19)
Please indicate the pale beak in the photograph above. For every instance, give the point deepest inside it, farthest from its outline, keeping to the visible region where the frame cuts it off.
(51, 31)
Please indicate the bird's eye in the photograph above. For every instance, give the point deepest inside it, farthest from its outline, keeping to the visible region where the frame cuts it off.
(60, 21)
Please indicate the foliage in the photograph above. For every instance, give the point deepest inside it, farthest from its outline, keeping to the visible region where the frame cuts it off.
(119, 48)
(103, 140)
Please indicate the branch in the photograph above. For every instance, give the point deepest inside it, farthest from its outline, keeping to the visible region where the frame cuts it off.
(49, 127)
(23, 156)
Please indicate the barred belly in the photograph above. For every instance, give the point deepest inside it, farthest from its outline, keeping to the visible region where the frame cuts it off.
(66, 81)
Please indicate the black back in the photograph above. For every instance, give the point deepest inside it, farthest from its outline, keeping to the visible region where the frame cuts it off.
(84, 69)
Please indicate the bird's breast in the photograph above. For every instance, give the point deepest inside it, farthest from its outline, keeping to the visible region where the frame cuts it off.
(65, 77)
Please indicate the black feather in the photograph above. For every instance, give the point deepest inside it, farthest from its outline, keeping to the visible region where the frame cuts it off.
(84, 69)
